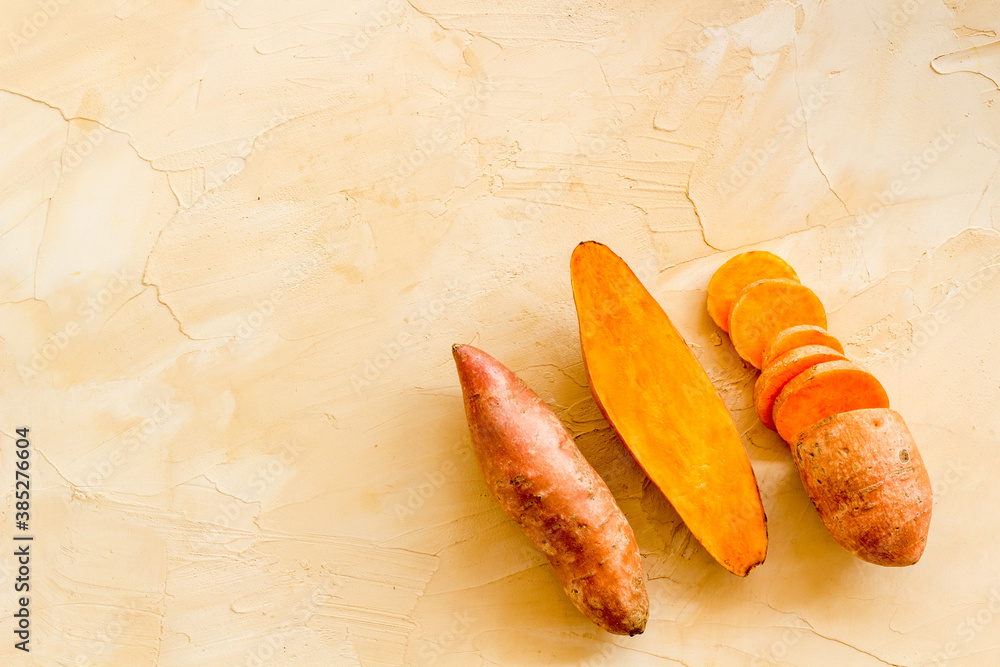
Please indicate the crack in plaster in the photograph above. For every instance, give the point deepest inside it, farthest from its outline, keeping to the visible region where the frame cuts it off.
(69, 118)
(149, 162)
(805, 130)
(697, 214)
(430, 16)
(848, 645)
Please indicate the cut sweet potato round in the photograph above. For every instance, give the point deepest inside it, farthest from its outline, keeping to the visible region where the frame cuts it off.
(738, 272)
(765, 308)
(869, 484)
(799, 336)
(822, 391)
(781, 371)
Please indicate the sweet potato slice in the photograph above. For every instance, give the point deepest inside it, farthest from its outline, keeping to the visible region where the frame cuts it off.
(767, 307)
(781, 371)
(800, 336)
(738, 272)
(869, 484)
(534, 469)
(822, 391)
(656, 395)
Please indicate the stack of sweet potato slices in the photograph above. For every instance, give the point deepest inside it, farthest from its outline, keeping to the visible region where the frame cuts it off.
(855, 455)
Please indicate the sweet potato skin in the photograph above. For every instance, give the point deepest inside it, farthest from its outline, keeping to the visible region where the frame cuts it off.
(540, 478)
(866, 477)
(658, 398)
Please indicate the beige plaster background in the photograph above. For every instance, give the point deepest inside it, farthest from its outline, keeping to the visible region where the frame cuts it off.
(238, 238)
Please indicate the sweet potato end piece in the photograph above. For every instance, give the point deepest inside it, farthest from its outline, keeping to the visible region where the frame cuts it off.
(864, 473)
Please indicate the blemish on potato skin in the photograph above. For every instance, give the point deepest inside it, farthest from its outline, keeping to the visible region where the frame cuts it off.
(871, 487)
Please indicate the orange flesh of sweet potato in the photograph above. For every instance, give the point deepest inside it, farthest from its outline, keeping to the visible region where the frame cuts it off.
(800, 336)
(822, 391)
(781, 371)
(869, 484)
(767, 307)
(534, 469)
(738, 272)
(659, 400)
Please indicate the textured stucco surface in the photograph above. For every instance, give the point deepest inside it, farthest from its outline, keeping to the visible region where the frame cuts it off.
(238, 239)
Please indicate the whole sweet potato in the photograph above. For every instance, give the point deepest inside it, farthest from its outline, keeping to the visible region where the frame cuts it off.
(541, 479)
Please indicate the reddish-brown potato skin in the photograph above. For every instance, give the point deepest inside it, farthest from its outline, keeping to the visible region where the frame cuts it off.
(541, 479)
(865, 475)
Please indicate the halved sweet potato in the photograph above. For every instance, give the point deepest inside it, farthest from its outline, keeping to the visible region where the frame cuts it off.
(656, 395)
(822, 391)
(800, 336)
(738, 272)
(781, 371)
(767, 307)
(866, 477)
